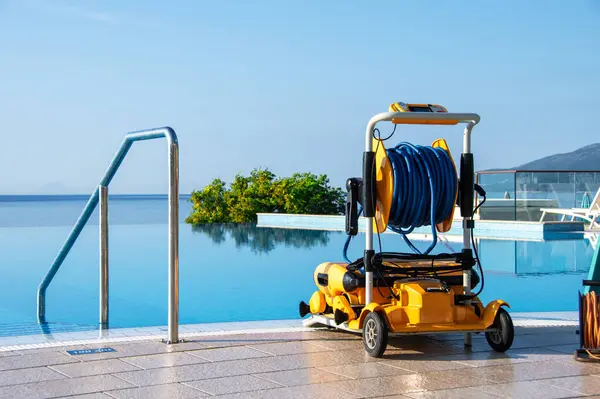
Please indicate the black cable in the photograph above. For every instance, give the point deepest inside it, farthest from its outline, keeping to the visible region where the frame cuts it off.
(478, 205)
(478, 265)
(379, 134)
(482, 193)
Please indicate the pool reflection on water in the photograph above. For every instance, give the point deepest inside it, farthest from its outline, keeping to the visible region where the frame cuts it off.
(241, 272)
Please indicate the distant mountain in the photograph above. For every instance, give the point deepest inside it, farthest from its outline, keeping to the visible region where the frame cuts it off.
(585, 158)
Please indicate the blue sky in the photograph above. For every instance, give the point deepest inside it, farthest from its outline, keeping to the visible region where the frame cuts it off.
(284, 85)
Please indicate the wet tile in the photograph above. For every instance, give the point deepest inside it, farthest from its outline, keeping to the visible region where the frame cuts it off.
(22, 376)
(164, 360)
(548, 339)
(10, 353)
(228, 385)
(567, 348)
(97, 395)
(393, 397)
(225, 341)
(407, 383)
(63, 387)
(290, 348)
(287, 336)
(301, 377)
(316, 391)
(233, 353)
(421, 364)
(189, 344)
(127, 350)
(585, 384)
(485, 359)
(192, 372)
(339, 344)
(532, 371)
(171, 391)
(59, 349)
(456, 393)
(315, 359)
(365, 370)
(95, 367)
(34, 360)
(527, 390)
(291, 362)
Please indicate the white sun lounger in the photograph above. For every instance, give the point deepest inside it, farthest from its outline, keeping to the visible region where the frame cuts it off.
(589, 214)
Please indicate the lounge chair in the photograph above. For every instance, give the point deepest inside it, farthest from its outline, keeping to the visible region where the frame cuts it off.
(589, 214)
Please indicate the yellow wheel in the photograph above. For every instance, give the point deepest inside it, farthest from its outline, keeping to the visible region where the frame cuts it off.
(375, 334)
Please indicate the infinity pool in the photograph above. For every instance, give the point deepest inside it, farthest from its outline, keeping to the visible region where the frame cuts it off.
(227, 272)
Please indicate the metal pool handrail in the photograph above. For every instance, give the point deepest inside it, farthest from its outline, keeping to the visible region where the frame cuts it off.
(173, 310)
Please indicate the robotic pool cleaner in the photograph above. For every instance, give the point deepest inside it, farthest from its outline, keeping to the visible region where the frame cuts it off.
(386, 293)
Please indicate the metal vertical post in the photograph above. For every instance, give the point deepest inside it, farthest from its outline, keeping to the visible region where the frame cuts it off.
(103, 200)
(467, 230)
(515, 190)
(173, 243)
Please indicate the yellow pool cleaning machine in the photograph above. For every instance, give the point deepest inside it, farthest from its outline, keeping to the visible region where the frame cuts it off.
(404, 187)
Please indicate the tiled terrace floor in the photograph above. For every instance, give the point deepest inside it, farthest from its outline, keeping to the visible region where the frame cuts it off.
(316, 364)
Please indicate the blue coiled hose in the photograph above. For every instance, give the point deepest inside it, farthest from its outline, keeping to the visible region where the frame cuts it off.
(425, 185)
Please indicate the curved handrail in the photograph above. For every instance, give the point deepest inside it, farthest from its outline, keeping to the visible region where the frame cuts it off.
(130, 138)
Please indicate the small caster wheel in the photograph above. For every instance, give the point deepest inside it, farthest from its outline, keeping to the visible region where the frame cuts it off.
(501, 340)
(375, 334)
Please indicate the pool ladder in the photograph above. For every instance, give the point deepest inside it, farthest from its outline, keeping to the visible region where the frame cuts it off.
(100, 196)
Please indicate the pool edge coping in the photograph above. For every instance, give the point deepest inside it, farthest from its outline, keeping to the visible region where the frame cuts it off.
(520, 320)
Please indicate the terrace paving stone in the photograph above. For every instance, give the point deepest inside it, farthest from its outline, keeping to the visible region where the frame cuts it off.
(485, 359)
(231, 353)
(246, 339)
(533, 371)
(301, 377)
(34, 360)
(236, 384)
(406, 383)
(422, 364)
(290, 348)
(365, 370)
(299, 364)
(10, 353)
(316, 391)
(96, 367)
(193, 372)
(170, 391)
(315, 359)
(339, 344)
(23, 376)
(567, 348)
(63, 387)
(527, 390)
(163, 360)
(456, 393)
(128, 349)
(588, 385)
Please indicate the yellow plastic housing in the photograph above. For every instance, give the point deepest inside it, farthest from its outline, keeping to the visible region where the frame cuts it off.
(401, 107)
(384, 186)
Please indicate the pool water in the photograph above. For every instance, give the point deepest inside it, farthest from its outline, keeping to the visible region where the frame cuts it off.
(227, 272)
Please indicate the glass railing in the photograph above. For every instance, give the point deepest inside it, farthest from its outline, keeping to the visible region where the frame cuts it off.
(521, 195)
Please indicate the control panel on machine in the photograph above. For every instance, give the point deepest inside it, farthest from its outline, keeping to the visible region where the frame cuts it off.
(403, 107)
(430, 108)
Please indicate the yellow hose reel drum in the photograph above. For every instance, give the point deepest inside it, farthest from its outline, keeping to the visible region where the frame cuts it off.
(384, 174)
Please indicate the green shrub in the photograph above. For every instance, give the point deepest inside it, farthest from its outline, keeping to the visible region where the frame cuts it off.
(262, 192)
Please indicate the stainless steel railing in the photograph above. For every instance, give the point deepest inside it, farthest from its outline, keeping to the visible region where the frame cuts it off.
(100, 195)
